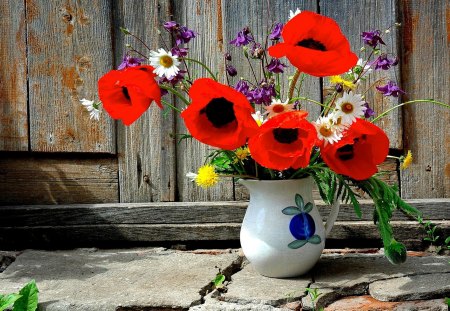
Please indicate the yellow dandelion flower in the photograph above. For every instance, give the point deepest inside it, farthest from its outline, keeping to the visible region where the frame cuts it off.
(339, 80)
(241, 154)
(407, 160)
(206, 176)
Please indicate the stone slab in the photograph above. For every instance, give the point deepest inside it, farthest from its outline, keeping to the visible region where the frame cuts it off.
(367, 303)
(356, 270)
(102, 280)
(247, 286)
(415, 287)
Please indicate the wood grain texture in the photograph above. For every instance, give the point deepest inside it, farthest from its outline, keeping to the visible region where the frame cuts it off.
(366, 15)
(146, 148)
(87, 235)
(181, 213)
(425, 35)
(205, 17)
(51, 179)
(69, 48)
(13, 79)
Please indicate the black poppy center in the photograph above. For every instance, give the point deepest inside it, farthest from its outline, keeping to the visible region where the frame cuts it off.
(345, 153)
(312, 44)
(219, 112)
(125, 93)
(285, 136)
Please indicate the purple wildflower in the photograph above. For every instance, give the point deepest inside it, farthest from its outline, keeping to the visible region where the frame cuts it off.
(390, 89)
(383, 62)
(368, 112)
(174, 79)
(276, 32)
(184, 35)
(297, 105)
(276, 66)
(171, 26)
(242, 38)
(256, 51)
(179, 51)
(129, 61)
(372, 38)
(231, 70)
(242, 86)
(262, 95)
(227, 56)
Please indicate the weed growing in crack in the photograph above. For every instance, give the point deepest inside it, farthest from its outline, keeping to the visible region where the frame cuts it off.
(314, 295)
(439, 244)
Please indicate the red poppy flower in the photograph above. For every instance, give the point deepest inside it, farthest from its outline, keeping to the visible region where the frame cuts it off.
(315, 45)
(127, 94)
(219, 115)
(284, 141)
(357, 154)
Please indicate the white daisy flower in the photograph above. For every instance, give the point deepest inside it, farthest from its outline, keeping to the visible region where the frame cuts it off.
(293, 14)
(277, 107)
(349, 107)
(92, 107)
(165, 63)
(327, 130)
(258, 117)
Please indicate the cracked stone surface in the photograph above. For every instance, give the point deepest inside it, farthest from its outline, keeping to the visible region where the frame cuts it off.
(115, 279)
(160, 279)
(415, 287)
(247, 286)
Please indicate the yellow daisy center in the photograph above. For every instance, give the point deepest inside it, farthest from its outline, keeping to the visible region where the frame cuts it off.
(325, 131)
(166, 61)
(347, 108)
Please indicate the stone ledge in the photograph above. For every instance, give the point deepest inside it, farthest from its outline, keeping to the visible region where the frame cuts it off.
(161, 279)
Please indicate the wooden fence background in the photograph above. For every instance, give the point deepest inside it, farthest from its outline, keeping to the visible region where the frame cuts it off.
(53, 53)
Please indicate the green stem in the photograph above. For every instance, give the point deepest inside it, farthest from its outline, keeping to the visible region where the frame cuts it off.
(411, 102)
(293, 83)
(309, 100)
(170, 105)
(174, 92)
(203, 65)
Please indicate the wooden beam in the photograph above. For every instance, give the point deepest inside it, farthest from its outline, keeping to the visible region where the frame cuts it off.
(180, 213)
(57, 179)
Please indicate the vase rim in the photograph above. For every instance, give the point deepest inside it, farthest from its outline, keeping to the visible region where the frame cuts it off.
(308, 178)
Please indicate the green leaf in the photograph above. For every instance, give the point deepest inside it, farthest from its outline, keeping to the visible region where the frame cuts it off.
(297, 244)
(299, 201)
(395, 252)
(447, 301)
(7, 300)
(29, 299)
(315, 239)
(124, 30)
(308, 207)
(218, 281)
(291, 210)
(447, 240)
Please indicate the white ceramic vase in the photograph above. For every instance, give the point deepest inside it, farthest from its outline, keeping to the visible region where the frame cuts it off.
(283, 234)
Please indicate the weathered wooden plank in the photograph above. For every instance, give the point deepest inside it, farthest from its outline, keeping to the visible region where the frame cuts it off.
(425, 36)
(370, 15)
(181, 213)
(147, 147)
(102, 234)
(13, 80)
(51, 179)
(69, 48)
(205, 17)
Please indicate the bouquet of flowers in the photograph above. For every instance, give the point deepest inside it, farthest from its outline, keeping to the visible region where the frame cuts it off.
(259, 133)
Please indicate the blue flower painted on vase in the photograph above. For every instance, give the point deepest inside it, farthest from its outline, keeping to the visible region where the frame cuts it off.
(302, 225)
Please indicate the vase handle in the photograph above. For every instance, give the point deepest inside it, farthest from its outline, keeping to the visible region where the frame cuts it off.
(333, 216)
